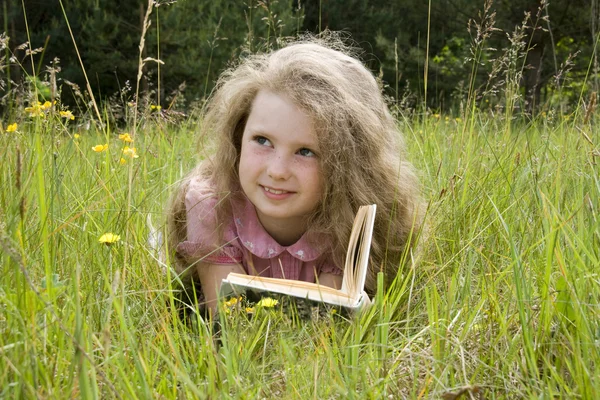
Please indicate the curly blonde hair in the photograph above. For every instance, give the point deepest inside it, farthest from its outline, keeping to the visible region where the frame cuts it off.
(362, 152)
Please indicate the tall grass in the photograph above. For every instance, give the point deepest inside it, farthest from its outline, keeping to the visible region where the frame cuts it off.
(502, 302)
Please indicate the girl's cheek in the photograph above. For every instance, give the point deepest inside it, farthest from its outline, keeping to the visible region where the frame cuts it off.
(308, 163)
(260, 150)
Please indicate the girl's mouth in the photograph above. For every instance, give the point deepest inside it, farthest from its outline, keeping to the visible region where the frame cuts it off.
(276, 194)
(274, 191)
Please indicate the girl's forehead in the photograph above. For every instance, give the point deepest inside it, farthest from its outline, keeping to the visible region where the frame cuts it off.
(277, 114)
(270, 105)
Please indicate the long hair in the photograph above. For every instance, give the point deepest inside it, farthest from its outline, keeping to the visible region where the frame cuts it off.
(362, 151)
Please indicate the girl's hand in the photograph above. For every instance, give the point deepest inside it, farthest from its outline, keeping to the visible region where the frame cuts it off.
(211, 276)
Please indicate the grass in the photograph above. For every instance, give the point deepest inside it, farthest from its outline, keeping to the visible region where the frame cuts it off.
(504, 301)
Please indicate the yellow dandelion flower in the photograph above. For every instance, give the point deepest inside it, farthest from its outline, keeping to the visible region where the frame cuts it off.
(436, 116)
(126, 138)
(76, 136)
(67, 114)
(109, 239)
(122, 161)
(458, 119)
(99, 148)
(46, 105)
(267, 302)
(249, 310)
(130, 151)
(130, 103)
(36, 110)
(154, 107)
(12, 127)
(231, 302)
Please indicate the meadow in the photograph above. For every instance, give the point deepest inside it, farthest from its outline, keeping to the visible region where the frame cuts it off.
(501, 302)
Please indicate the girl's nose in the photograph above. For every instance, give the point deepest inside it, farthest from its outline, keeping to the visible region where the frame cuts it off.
(279, 167)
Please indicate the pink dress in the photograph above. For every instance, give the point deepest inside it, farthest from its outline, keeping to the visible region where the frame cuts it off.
(245, 241)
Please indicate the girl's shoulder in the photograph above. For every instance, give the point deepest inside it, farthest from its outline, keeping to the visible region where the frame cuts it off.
(206, 233)
(201, 200)
(199, 188)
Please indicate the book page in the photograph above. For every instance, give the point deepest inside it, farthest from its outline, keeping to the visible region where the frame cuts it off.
(257, 281)
(304, 290)
(357, 256)
(362, 265)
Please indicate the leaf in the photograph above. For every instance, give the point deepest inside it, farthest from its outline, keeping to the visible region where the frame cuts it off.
(564, 302)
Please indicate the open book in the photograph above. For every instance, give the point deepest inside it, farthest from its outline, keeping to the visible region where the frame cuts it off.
(351, 296)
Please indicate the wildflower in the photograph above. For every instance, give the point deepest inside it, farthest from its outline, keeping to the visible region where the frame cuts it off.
(76, 136)
(458, 119)
(126, 138)
(46, 105)
(436, 116)
(232, 302)
(154, 107)
(249, 310)
(109, 239)
(130, 151)
(36, 110)
(122, 161)
(447, 119)
(12, 127)
(267, 302)
(130, 103)
(67, 114)
(99, 148)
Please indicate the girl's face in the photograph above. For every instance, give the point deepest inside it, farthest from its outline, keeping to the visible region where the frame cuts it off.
(279, 166)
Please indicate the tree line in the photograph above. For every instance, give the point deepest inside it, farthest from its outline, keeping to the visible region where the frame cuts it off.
(447, 54)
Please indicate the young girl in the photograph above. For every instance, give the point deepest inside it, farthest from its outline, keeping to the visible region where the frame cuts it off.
(303, 137)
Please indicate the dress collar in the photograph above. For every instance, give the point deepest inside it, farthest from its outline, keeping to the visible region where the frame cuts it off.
(258, 241)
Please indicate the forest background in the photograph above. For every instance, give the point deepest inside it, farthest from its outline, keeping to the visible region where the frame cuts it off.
(191, 42)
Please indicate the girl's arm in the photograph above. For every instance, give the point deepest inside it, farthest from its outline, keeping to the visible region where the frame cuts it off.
(331, 280)
(211, 276)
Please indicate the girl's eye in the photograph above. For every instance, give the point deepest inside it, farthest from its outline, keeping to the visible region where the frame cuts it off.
(306, 152)
(262, 140)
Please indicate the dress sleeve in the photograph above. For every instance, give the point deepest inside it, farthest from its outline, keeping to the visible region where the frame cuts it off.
(327, 265)
(203, 242)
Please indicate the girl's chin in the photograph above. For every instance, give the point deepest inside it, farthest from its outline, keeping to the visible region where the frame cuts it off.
(277, 216)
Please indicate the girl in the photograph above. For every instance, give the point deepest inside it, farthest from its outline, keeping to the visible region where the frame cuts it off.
(303, 137)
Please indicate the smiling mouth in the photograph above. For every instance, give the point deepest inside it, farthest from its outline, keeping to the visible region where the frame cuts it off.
(275, 191)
